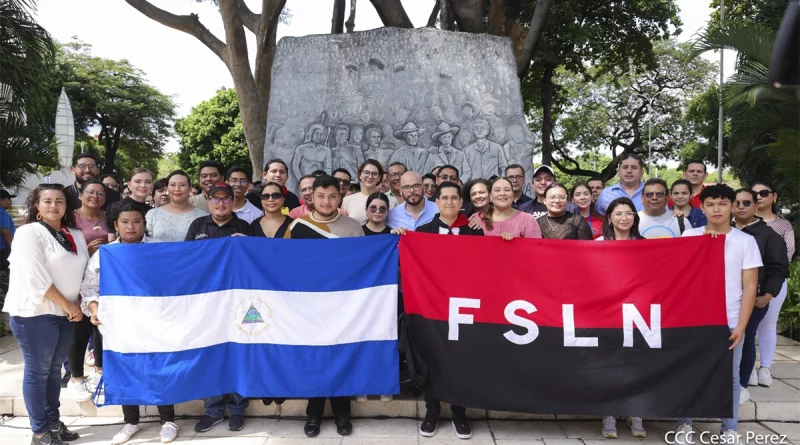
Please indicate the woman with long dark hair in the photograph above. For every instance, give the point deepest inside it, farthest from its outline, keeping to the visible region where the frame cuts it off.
(47, 263)
(476, 192)
(501, 219)
(130, 227)
(274, 223)
(558, 223)
(581, 196)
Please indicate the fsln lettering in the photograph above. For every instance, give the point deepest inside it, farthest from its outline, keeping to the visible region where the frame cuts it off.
(455, 317)
(651, 334)
(513, 318)
(570, 340)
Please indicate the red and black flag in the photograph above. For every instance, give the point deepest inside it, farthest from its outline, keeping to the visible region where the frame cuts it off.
(569, 327)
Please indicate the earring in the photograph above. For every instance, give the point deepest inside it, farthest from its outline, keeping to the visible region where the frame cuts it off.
(38, 216)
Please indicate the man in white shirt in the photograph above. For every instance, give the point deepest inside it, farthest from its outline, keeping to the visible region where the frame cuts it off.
(244, 210)
(655, 221)
(742, 260)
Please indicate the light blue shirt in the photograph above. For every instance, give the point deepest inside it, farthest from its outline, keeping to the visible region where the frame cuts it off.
(399, 216)
(616, 191)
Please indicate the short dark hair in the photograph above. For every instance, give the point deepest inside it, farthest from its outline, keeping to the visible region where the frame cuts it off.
(354, 187)
(317, 173)
(160, 184)
(681, 182)
(750, 191)
(514, 166)
(325, 181)
(451, 167)
(430, 176)
(377, 195)
(130, 207)
(343, 170)
(627, 156)
(110, 175)
(447, 184)
(595, 178)
(718, 191)
(695, 161)
(405, 169)
(373, 163)
(179, 173)
(95, 181)
(235, 169)
(304, 178)
(81, 156)
(557, 185)
(657, 181)
(278, 161)
(212, 164)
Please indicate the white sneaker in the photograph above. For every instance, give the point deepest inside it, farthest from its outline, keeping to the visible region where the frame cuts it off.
(89, 359)
(93, 381)
(125, 434)
(753, 378)
(744, 396)
(387, 398)
(683, 435)
(169, 431)
(361, 398)
(609, 427)
(78, 390)
(730, 437)
(637, 429)
(764, 377)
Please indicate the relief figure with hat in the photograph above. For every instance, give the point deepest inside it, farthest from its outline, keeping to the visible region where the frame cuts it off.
(312, 155)
(412, 156)
(485, 158)
(445, 153)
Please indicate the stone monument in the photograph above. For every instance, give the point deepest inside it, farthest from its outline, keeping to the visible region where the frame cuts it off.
(424, 97)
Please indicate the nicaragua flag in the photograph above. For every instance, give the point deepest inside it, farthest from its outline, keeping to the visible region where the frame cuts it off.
(256, 316)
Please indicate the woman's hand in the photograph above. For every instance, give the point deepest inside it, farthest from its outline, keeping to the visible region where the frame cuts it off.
(93, 309)
(475, 221)
(73, 311)
(507, 236)
(399, 231)
(94, 245)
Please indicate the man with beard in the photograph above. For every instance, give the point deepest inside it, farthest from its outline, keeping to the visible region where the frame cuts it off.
(237, 179)
(325, 222)
(416, 210)
(84, 167)
(210, 174)
(306, 192)
(275, 170)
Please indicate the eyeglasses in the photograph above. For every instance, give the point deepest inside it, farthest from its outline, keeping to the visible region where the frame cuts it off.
(623, 214)
(216, 200)
(112, 186)
(95, 193)
(408, 188)
(86, 166)
(429, 186)
(557, 198)
(515, 178)
(370, 174)
(452, 178)
(376, 209)
(656, 194)
(268, 196)
(237, 181)
(745, 203)
(395, 175)
(344, 181)
(764, 193)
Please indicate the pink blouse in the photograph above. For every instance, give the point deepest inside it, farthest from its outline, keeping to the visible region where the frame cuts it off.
(521, 225)
(92, 230)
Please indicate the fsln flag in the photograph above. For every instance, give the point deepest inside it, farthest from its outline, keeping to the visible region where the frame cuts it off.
(633, 328)
(259, 317)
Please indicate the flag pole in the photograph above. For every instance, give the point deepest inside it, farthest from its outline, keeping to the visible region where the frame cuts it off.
(721, 81)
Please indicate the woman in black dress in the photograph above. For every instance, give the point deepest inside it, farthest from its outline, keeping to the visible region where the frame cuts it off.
(559, 223)
(377, 212)
(274, 223)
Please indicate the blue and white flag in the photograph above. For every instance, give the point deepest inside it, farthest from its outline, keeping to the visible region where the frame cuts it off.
(256, 316)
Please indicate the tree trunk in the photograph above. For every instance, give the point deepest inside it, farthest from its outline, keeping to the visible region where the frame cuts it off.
(434, 14)
(351, 21)
(502, 16)
(547, 89)
(531, 41)
(448, 20)
(468, 15)
(337, 20)
(392, 13)
(111, 144)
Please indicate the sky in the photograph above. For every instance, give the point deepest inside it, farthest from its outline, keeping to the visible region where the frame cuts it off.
(179, 65)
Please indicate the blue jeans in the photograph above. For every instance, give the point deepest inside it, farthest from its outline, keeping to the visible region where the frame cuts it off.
(44, 341)
(731, 423)
(749, 342)
(215, 406)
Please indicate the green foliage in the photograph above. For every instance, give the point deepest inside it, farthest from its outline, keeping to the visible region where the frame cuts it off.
(213, 130)
(168, 163)
(790, 311)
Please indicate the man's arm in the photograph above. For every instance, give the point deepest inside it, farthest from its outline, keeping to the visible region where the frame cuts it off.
(749, 289)
(7, 236)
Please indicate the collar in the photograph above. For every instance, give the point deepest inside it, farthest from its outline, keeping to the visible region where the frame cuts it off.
(330, 221)
(461, 221)
(232, 221)
(618, 186)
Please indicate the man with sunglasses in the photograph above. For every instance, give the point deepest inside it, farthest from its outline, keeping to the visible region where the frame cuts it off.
(84, 167)
(237, 179)
(416, 210)
(222, 222)
(655, 221)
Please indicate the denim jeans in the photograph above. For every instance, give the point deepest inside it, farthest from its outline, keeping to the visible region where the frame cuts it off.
(749, 345)
(730, 424)
(44, 341)
(215, 406)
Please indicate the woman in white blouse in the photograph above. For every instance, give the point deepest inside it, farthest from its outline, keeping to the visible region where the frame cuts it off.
(170, 222)
(48, 258)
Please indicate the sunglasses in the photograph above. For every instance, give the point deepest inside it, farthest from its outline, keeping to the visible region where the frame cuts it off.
(375, 209)
(745, 203)
(268, 196)
(765, 193)
(656, 194)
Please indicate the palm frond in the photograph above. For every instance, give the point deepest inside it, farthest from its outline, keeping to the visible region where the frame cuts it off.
(753, 41)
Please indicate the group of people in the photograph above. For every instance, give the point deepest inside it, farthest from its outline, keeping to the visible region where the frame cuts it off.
(53, 296)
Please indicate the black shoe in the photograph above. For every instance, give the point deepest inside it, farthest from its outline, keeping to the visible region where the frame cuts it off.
(279, 401)
(206, 423)
(236, 422)
(461, 427)
(312, 427)
(60, 430)
(65, 380)
(47, 439)
(268, 401)
(428, 427)
(344, 427)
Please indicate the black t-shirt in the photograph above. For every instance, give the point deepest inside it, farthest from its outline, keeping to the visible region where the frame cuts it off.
(205, 227)
(255, 227)
(367, 232)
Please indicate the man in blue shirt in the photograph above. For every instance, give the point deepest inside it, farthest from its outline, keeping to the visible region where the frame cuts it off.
(416, 210)
(6, 228)
(630, 171)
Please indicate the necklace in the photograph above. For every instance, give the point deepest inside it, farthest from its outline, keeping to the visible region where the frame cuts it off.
(549, 223)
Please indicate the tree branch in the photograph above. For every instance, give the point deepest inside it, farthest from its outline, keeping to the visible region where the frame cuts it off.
(392, 13)
(434, 14)
(190, 24)
(251, 20)
(337, 19)
(468, 15)
(448, 21)
(535, 31)
(351, 21)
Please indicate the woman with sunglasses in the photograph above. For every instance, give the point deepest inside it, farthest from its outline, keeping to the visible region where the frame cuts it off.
(767, 331)
(47, 260)
(558, 223)
(274, 223)
(501, 219)
(581, 196)
(355, 205)
(621, 223)
(377, 211)
(171, 221)
(770, 280)
(130, 224)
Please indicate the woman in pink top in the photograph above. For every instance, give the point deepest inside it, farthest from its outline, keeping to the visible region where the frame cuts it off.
(89, 219)
(500, 219)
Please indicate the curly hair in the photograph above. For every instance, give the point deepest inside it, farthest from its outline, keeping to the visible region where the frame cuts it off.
(32, 213)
